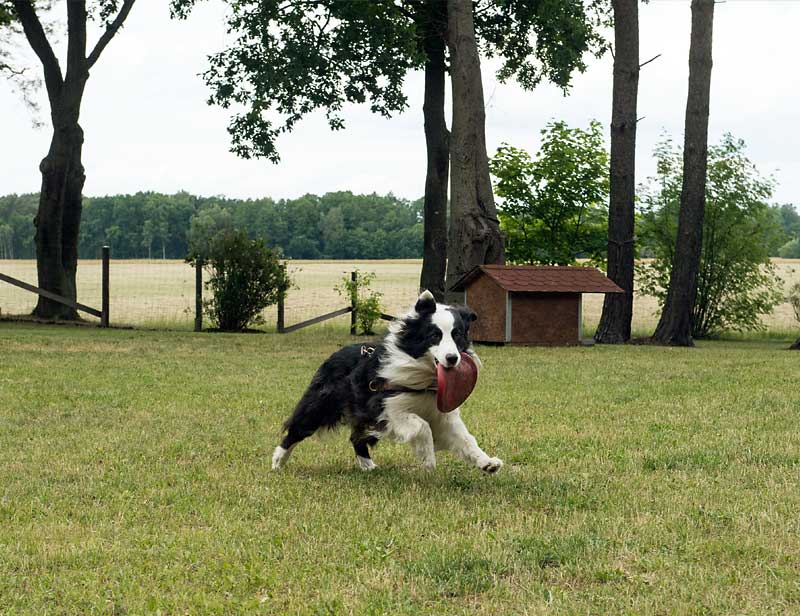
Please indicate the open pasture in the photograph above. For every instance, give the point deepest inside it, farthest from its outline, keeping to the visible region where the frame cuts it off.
(134, 478)
(161, 293)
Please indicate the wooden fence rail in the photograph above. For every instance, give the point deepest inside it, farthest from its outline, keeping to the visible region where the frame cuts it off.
(283, 329)
(101, 314)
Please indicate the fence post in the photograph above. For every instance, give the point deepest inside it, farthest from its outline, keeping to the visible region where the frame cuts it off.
(353, 301)
(105, 306)
(281, 312)
(198, 295)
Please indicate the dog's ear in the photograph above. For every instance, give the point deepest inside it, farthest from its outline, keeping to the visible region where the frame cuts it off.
(426, 303)
(467, 316)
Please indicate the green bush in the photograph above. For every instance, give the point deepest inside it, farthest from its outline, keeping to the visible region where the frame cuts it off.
(245, 277)
(737, 283)
(554, 207)
(367, 302)
(790, 250)
(794, 300)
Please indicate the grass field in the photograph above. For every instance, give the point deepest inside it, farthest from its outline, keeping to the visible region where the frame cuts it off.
(134, 478)
(161, 293)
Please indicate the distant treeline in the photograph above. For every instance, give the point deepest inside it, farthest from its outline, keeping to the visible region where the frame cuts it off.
(337, 225)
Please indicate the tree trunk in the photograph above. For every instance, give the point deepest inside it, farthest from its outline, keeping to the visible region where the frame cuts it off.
(795, 346)
(675, 325)
(615, 323)
(58, 219)
(475, 236)
(437, 142)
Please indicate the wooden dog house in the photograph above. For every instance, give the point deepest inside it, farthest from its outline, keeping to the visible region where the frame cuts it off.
(529, 304)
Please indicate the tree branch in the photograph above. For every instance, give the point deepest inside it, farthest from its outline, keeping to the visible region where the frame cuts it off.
(650, 60)
(37, 39)
(10, 69)
(111, 30)
(76, 42)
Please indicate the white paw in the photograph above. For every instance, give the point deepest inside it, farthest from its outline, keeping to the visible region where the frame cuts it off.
(279, 457)
(492, 465)
(366, 464)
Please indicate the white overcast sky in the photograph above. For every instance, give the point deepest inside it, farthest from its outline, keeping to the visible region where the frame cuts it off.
(147, 125)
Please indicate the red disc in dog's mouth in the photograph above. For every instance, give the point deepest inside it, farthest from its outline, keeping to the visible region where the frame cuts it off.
(454, 385)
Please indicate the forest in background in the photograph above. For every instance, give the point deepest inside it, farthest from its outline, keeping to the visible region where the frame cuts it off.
(336, 225)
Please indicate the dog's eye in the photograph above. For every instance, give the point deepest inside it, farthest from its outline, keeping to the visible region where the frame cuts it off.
(436, 335)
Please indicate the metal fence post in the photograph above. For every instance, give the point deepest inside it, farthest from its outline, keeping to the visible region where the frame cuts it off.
(105, 306)
(198, 295)
(353, 302)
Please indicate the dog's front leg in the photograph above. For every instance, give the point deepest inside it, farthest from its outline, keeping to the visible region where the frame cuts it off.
(412, 429)
(451, 433)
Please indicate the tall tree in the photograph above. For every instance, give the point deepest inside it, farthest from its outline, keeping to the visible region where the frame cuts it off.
(433, 26)
(675, 326)
(615, 322)
(59, 215)
(475, 236)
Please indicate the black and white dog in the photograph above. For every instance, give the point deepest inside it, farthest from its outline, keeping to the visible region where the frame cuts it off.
(387, 390)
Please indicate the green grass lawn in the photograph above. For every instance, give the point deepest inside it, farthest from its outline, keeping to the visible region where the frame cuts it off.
(134, 478)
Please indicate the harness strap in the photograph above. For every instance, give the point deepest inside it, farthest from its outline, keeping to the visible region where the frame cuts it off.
(387, 386)
(381, 386)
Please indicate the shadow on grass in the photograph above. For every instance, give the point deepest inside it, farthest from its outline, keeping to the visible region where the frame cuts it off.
(452, 483)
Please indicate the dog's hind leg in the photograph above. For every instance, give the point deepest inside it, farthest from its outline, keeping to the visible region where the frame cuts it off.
(361, 444)
(312, 413)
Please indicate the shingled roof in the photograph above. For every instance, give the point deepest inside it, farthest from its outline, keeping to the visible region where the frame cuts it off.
(543, 279)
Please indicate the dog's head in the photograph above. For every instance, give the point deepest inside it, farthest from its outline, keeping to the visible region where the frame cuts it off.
(435, 330)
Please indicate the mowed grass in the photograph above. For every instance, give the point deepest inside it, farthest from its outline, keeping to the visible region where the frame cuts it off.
(160, 293)
(134, 478)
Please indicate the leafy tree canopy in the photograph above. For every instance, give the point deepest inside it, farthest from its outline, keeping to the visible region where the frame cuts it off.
(291, 57)
(554, 207)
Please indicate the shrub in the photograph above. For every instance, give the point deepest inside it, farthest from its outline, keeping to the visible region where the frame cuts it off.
(737, 282)
(790, 250)
(366, 301)
(794, 299)
(246, 277)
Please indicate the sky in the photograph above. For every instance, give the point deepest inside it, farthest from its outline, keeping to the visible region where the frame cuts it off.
(147, 125)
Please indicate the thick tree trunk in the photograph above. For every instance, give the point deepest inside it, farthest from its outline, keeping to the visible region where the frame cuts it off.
(437, 142)
(675, 325)
(475, 236)
(58, 219)
(615, 323)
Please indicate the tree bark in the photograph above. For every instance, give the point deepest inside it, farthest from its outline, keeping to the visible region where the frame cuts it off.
(58, 219)
(675, 326)
(615, 322)
(437, 143)
(475, 236)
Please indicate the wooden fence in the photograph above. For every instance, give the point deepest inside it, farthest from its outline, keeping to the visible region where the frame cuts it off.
(102, 314)
(282, 328)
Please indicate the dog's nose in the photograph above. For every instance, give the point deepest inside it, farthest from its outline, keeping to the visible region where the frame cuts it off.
(451, 359)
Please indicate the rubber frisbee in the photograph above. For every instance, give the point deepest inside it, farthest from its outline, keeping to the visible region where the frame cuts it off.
(454, 385)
